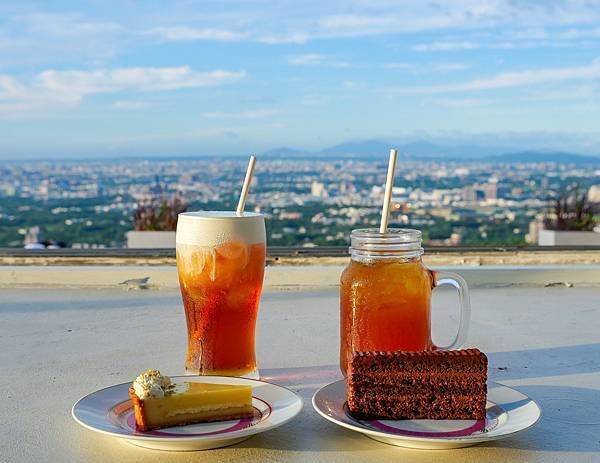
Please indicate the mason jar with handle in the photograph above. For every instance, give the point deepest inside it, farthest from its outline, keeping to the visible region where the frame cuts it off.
(385, 295)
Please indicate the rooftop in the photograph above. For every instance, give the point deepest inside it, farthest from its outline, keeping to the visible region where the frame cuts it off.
(61, 342)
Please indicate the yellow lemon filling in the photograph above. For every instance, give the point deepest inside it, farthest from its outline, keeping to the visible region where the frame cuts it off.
(192, 402)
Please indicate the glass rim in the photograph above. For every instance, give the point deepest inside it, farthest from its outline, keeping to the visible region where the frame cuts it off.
(395, 242)
(391, 234)
(219, 215)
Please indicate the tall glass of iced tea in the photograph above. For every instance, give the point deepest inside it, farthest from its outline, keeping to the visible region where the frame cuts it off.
(221, 262)
(385, 295)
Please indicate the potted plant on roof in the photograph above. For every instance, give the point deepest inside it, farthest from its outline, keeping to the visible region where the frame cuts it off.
(571, 220)
(155, 223)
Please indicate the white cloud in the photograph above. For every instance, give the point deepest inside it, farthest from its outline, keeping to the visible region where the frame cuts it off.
(427, 67)
(514, 79)
(463, 102)
(446, 46)
(513, 38)
(50, 38)
(313, 100)
(587, 92)
(54, 87)
(238, 130)
(248, 114)
(289, 22)
(185, 33)
(389, 20)
(295, 38)
(556, 34)
(130, 104)
(74, 85)
(495, 45)
(65, 25)
(398, 65)
(306, 59)
(351, 84)
(353, 22)
(449, 67)
(10, 89)
(300, 22)
(315, 59)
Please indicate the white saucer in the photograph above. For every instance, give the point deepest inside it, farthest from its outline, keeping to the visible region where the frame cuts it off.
(508, 412)
(110, 411)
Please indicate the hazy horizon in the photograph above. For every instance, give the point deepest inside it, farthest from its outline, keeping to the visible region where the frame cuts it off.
(196, 78)
(472, 148)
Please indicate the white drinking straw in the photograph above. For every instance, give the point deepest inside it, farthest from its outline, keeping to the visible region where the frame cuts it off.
(389, 183)
(246, 187)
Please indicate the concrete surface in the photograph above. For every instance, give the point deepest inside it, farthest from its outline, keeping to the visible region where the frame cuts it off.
(57, 345)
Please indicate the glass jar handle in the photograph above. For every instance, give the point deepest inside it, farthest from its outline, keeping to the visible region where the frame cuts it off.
(458, 282)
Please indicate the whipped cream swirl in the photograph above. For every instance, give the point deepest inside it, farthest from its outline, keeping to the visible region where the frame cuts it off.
(151, 384)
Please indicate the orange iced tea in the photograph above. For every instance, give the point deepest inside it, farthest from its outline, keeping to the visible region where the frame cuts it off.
(385, 306)
(221, 263)
(221, 289)
(385, 295)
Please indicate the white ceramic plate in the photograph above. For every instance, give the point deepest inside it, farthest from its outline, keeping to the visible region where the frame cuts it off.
(508, 412)
(110, 411)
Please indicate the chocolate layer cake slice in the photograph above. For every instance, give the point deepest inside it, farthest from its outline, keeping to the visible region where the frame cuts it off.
(438, 385)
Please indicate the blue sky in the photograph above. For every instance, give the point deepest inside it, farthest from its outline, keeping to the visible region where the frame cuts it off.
(117, 78)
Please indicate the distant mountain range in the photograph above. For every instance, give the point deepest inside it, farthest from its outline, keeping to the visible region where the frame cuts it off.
(425, 149)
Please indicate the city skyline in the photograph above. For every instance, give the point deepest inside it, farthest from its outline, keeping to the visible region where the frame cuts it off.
(210, 78)
(307, 202)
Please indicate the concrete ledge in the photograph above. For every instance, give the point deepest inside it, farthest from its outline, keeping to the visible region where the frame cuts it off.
(302, 257)
(288, 277)
(150, 239)
(567, 237)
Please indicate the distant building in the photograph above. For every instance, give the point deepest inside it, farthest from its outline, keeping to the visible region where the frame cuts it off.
(594, 194)
(532, 236)
(32, 237)
(445, 213)
(490, 190)
(290, 215)
(480, 191)
(469, 194)
(43, 189)
(455, 239)
(318, 190)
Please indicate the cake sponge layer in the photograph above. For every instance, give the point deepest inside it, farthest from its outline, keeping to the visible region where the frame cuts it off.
(418, 385)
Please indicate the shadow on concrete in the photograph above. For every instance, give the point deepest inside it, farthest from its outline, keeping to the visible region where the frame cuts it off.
(551, 361)
(59, 301)
(311, 432)
(570, 415)
(570, 421)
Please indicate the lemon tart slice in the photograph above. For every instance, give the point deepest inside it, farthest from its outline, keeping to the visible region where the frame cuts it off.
(159, 402)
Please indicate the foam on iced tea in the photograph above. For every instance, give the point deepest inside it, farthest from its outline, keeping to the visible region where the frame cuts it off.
(385, 306)
(221, 287)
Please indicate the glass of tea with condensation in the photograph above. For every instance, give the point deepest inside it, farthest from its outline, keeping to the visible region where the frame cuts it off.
(221, 262)
(385, 295)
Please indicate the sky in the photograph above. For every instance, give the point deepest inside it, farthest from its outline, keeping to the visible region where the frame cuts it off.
(117, 78)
